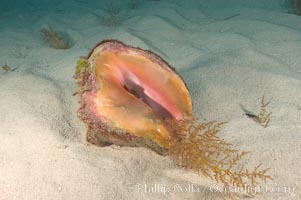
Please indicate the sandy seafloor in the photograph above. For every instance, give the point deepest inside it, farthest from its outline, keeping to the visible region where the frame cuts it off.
(43, 152)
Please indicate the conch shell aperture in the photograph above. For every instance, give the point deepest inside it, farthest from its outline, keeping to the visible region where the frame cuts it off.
(130, 97)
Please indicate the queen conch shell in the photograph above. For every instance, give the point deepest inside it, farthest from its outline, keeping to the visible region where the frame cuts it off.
(130, 97)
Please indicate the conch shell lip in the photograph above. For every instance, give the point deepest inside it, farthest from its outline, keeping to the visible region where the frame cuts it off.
(148, 53)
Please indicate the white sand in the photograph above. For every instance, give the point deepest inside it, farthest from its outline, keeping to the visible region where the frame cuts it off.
(43, 153)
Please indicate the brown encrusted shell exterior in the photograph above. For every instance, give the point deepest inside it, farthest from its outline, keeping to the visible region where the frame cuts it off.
(98, 132)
